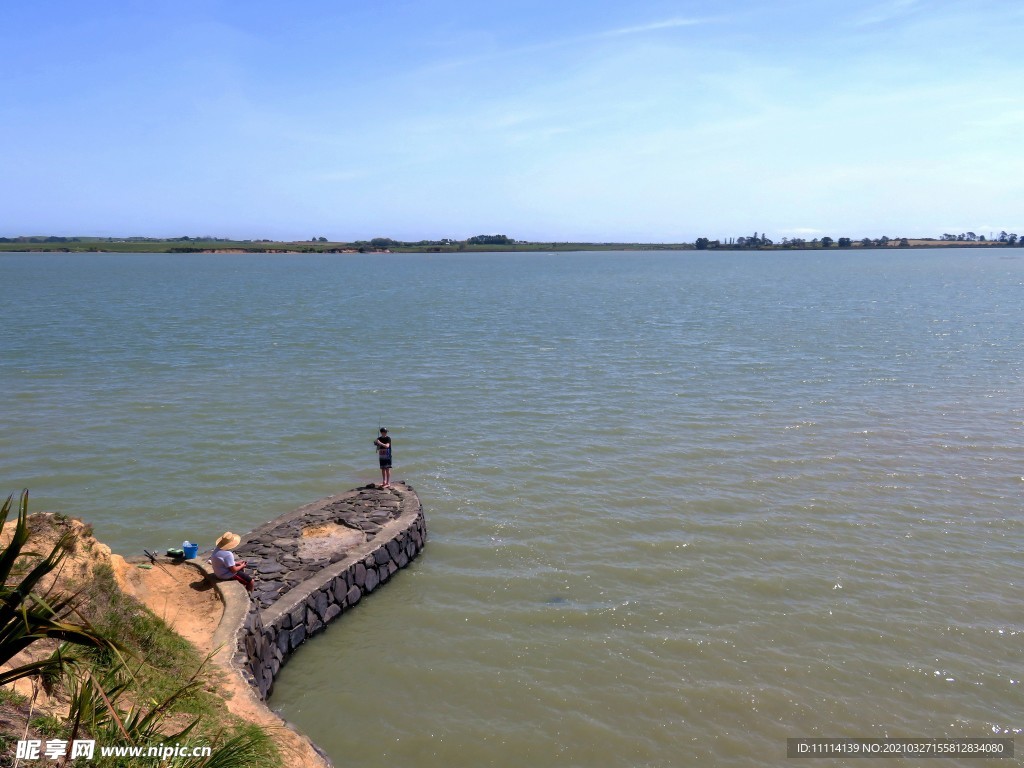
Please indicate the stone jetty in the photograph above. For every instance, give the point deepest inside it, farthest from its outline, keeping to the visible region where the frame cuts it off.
(312, 565)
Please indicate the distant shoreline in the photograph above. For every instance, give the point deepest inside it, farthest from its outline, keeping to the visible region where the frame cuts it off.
(141, 246)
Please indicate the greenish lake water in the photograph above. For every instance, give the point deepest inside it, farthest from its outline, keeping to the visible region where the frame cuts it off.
(682, 506)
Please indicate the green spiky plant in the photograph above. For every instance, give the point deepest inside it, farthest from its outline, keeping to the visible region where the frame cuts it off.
(98, 710)
(26, 616)
(103, 704)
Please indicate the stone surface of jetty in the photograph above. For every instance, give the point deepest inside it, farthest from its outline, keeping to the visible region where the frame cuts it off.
(312, 565)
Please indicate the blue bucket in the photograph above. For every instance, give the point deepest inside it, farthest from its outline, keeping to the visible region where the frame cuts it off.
(191, 550)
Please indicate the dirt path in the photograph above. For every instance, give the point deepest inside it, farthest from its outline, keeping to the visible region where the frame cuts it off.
(181, 596)
(178, 594)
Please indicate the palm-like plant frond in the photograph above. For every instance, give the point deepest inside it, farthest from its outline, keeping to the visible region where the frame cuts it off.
(25, 616)
(243, 750)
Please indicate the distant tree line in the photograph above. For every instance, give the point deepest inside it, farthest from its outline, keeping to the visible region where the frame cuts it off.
(1010, 238)
(446, 243)
(761, 241)
(757, 240)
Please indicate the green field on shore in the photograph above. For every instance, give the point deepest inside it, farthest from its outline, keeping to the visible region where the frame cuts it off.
(103, 245)
(213, 245)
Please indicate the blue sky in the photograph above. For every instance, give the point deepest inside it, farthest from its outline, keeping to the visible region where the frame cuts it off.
(558, 120)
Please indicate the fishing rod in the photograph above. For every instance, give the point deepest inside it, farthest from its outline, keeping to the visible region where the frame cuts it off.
(154, 561)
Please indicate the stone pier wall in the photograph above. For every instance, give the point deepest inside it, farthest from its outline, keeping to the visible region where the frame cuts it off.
(315, 563)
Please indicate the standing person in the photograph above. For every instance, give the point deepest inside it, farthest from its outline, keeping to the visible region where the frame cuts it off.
(383, 444)
(223, 561)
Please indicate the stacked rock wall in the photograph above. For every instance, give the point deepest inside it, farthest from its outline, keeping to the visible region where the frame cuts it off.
(317, 562)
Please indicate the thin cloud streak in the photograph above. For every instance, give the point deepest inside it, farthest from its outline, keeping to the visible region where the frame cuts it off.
(656, 26)
(574, 40)
(882, 14)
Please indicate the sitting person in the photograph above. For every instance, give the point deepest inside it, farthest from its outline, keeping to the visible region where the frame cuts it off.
(223, 561)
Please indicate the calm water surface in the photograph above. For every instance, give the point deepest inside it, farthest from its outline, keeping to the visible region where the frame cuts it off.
(681, 506)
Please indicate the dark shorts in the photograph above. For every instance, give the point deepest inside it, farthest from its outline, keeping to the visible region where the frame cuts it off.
(385, 463)
(241, 576)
